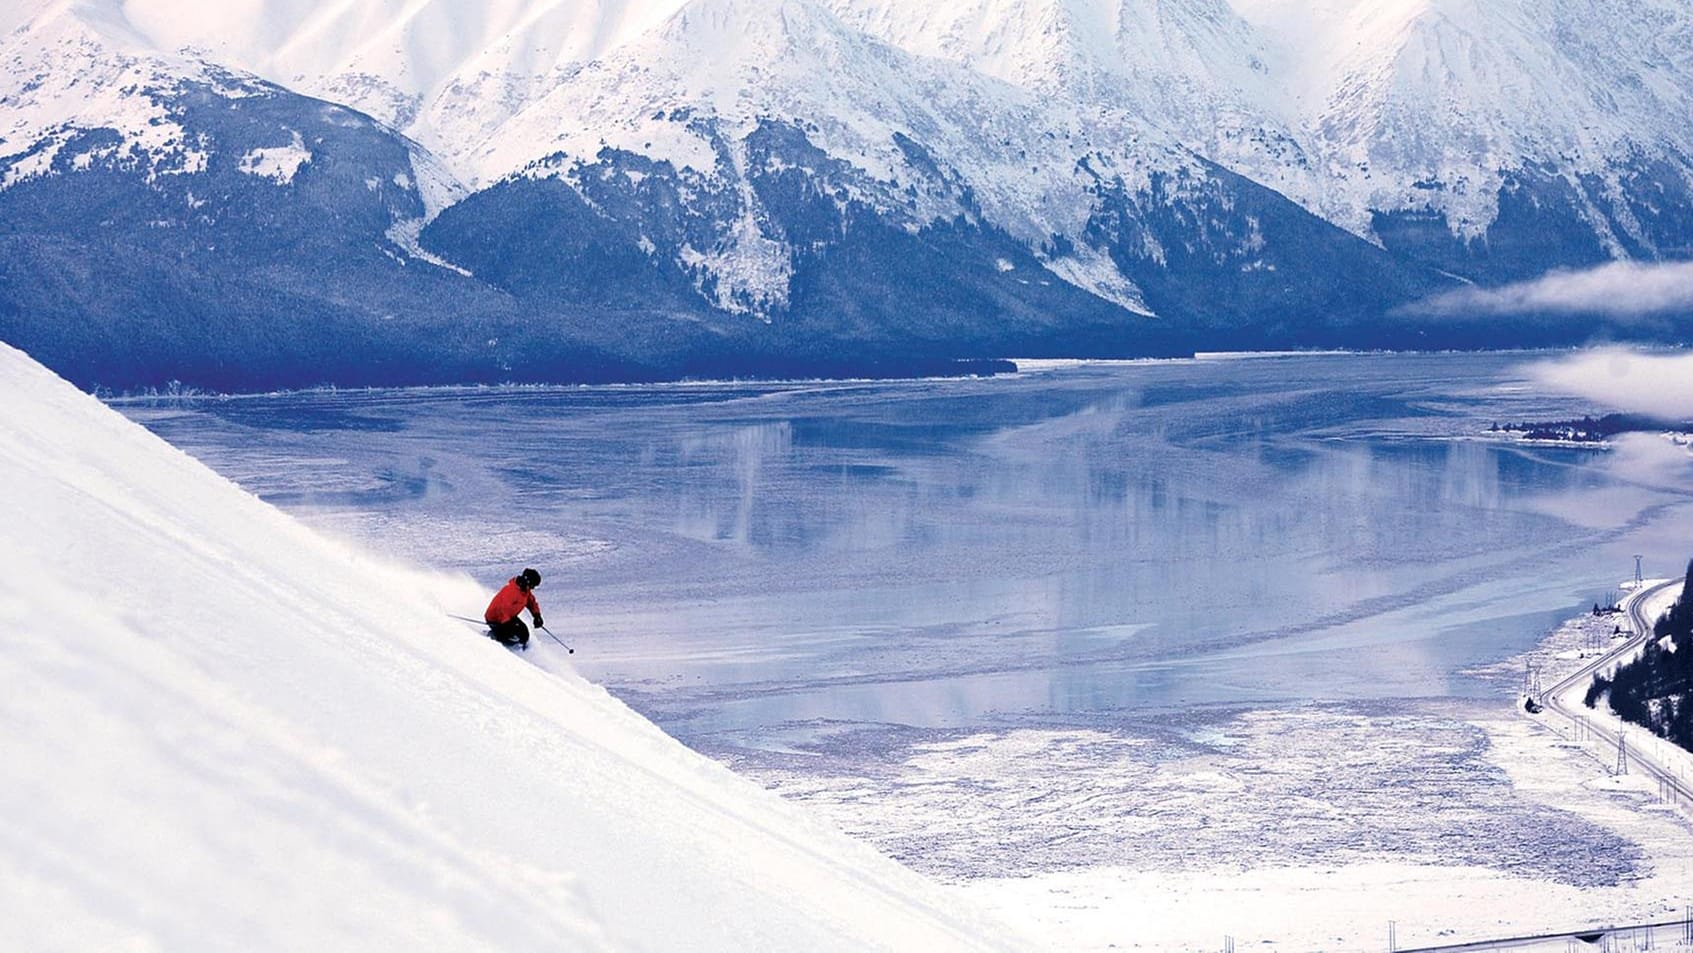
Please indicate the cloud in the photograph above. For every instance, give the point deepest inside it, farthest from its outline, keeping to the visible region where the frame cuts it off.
(1621, 290)
(1644, 383)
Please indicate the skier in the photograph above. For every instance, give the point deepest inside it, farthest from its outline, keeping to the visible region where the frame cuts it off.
(508, 604)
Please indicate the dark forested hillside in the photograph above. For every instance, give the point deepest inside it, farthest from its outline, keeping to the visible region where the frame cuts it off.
(1656, 689)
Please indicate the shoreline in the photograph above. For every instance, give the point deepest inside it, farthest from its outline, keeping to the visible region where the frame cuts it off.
(1318, 906)
(1002, 367)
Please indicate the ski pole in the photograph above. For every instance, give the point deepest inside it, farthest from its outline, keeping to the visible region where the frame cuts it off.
(556, 639)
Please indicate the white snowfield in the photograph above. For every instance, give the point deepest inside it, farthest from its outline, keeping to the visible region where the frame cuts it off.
(219, 730)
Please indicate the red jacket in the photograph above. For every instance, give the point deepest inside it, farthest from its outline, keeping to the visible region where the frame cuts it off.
(510, 601)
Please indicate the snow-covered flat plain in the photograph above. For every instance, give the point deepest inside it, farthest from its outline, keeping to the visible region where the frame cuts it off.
(223, 731)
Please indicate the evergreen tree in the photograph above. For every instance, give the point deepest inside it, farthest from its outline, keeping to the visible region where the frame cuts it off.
(1655, 690)
(1678, 621)
(1597, 690)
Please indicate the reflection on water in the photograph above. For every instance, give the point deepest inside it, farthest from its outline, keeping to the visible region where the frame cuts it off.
(944, 553)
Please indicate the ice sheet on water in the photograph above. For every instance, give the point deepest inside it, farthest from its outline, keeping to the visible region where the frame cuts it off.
(1318, 785)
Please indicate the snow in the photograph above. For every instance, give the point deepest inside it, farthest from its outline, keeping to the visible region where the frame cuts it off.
(1344, 106)
(436, 185)
(447, 72)
(279, 164)
(1455, 91)
(1090, 270)
(405, 235)
(742, 62)
(614, 75)
(221, 728)
(748, 273)
(60, 74)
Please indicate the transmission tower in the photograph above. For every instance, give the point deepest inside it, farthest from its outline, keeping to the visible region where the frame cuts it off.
(1622, 754)
(1638, 577)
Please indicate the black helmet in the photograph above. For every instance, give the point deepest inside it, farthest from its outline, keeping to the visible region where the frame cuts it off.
(530, 578)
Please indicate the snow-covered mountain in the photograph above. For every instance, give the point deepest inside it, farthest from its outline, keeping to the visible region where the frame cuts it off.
(224, 731)
(651, 187)
(1438, 103)
(1357, 107)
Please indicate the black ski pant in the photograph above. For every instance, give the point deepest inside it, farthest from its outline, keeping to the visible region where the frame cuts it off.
(511, 631)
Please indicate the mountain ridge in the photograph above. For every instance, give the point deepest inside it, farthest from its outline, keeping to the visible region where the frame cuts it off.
(1112, 176)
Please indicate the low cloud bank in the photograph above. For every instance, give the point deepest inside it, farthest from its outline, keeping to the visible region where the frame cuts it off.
(1622, 290)
(1657, 384)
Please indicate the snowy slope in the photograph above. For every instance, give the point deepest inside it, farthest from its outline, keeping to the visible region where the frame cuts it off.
(1345, 105)
(1192, 68)
(1096, 190)
(741, 63)
(1460, 93)
(60, 74)
(448, 72)
(78, 66)
(163, 217)
(1353, 106)
(224, 731)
